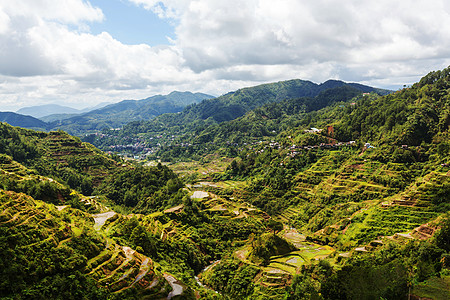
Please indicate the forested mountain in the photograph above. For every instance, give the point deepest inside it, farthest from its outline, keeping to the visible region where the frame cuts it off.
(235, 104)
(201, 123)
(24, 121)
(337, 195)
(110, 116)
(118, 114)
(180, 108)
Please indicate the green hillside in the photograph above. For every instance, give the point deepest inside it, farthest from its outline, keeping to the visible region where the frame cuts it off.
(247, 114)
(22, 121)
(335, 195)
(235, 104)
(118, 114)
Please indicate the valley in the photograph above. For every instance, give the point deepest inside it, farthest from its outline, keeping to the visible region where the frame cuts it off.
(288, 190)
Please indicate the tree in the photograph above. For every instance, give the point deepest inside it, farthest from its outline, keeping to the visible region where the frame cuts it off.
(275, 226)
(442, 237)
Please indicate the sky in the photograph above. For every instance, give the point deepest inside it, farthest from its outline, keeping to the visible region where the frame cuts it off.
(83, 52)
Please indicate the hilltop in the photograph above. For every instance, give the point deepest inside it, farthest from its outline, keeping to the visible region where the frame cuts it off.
(194, 124)
(118, 114)
(79, 122)
(15, 119)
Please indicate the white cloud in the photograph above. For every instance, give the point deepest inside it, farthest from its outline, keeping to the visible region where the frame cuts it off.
(48, 54)
(299, 32)
(67, 11)
(44, 59)
(354, 37)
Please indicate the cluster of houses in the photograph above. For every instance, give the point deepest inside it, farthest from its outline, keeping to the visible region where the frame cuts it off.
(141, 149)
(294, 149)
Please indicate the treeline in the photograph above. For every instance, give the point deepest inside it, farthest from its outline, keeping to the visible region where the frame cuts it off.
(389, 272)
(133, 187)
(243, 116)
(410, 116)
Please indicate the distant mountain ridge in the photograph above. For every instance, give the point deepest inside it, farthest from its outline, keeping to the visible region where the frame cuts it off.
(123, 112)
(235, 104)
(182, 107)
(19, 120)
(40, 111)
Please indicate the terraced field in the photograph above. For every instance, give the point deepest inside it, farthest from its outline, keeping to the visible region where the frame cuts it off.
(37, 231)
(369, 215)
(63, 150)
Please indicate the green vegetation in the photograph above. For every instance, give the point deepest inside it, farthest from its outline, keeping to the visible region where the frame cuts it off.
(282, 191)
(41, 255)
(25, 121)
(253, 113)
(118, 114)
(268, 245)
(133, 187)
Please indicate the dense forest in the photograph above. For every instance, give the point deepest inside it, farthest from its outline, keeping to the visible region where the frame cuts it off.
(276, 107)
(342, 192)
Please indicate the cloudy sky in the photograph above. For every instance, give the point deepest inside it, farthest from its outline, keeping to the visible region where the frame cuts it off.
(83, 52)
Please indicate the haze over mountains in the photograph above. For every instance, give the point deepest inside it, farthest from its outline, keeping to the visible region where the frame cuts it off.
(52, 116)
(24, 121)
(40, 111)
(223, 108)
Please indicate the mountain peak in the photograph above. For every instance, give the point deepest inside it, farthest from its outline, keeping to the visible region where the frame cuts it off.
(40, 111)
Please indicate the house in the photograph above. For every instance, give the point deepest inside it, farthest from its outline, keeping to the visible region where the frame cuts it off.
(313, 130)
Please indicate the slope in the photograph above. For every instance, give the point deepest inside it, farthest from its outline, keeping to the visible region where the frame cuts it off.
(58, 155)
(68, 245)
(372, 182)
(118, 114)
(24, 121)
(54, 252)
(206, 122)
(40, 111)
(236, 104)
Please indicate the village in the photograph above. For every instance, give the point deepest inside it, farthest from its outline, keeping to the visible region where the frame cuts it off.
(142, 149)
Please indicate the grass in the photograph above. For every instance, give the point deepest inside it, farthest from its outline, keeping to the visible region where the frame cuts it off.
(292, 261)
(434, 288)
(284, 267)
(211, 164)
